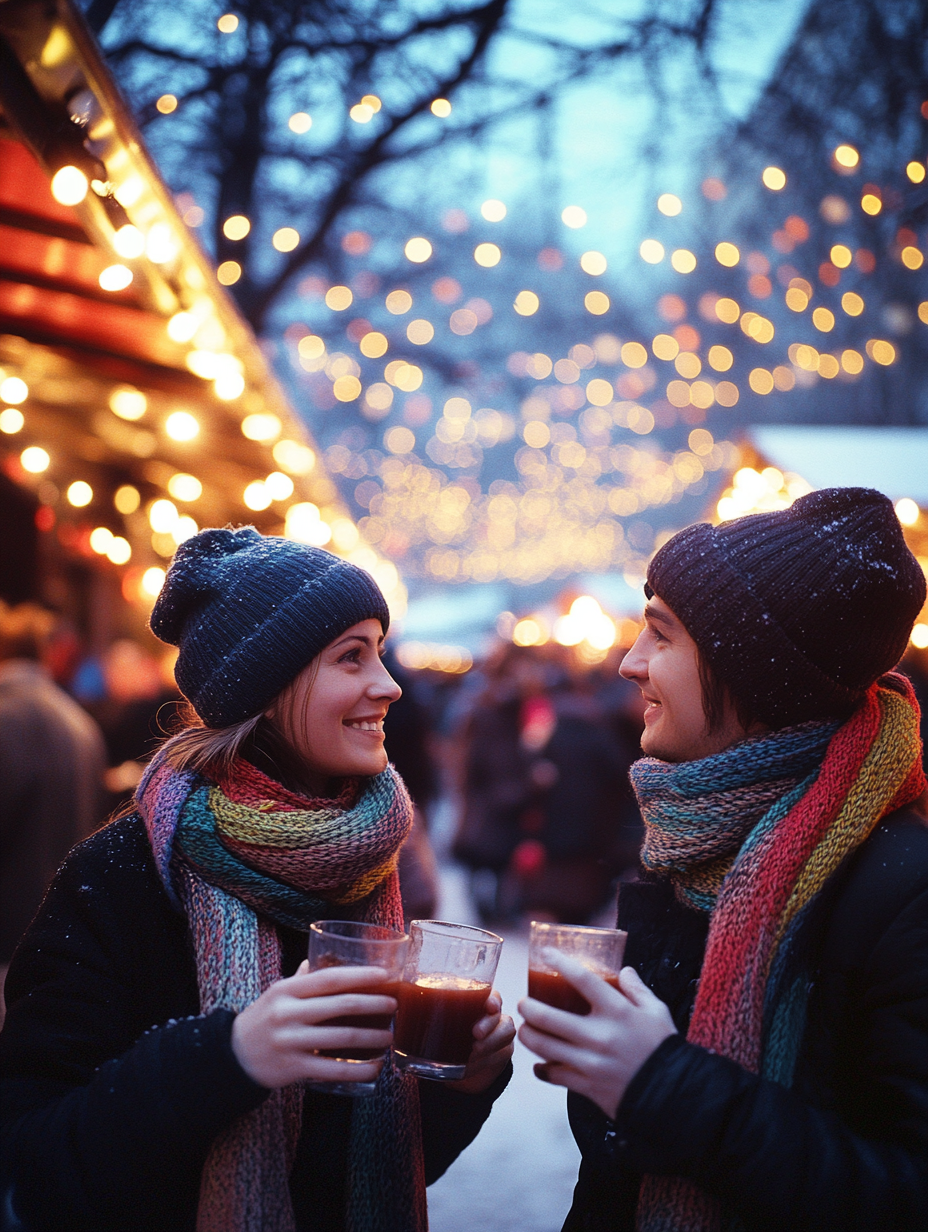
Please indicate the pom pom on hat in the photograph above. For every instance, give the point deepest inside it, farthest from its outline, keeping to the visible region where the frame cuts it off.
(248, 612)
(798, 611)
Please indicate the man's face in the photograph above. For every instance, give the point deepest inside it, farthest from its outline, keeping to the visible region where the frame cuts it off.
(664, 663)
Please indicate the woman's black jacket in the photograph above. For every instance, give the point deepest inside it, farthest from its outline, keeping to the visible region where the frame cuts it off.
(846, 1149)
(113, 1086)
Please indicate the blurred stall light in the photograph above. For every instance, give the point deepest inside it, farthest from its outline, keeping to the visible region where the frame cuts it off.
(228, 273)
(536, 434)
(100, 539)
(573, 216)
(126, 499)
(300, 122)
(261, 427)
(727, 310)
(505, 623)
(79, 494)
(345, 536)
(593, 262)
(129, 191)
(429, 656)
(14, 390)
(597, 303)
(651, 251)
(118, 551)
(128, 403)
(361, 113)
(846, 158)
(915, 171)
(441, 107)
(399, 440)
(487, 255)
(181, 426)
(182, 326)
(256, 496)
(841, 256)
(11, 421)
(852, 362)
(871, 204)
(493, 210)
(585, 622)
(720, 358)
(919, 636)
(228, 386)
(911, 258)
(311, 346)
(407, 377)
(418, 249)
(236, 227)
(373, 345)
(162, 516)
(398, 302)
(531, 631)
(227, 23)
(285, 239)
(773, 178)
(852, 303)
(669, 204)
(167, 104)
(184, 528)
(683, 261)
(115, 278)
(881, 352)
(420, 332)
(293, 457)
(129, 241)
(161, 245)
(907, 511)
(185, 487)
(152, 581)
(304, 524)
(634, 355)
(279, 486)
(727, 254)
(346, 388)
(760, 492)
(339, 298)
(526, 303)
(69, 186)
(35, 460)
(824, 320)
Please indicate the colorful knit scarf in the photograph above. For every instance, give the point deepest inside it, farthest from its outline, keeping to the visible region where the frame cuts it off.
(753, 835)
(239, 857)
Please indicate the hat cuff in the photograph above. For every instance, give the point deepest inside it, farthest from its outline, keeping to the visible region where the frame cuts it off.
(738, 638)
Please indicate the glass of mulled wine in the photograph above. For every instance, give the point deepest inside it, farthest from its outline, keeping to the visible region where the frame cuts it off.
(449, 975)
(349, 943)
(599, 949)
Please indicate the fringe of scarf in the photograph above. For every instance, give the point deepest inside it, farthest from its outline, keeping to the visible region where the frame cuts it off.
(753, 993)
(238, 858)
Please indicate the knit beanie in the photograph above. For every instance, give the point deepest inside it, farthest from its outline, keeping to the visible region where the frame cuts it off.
(799, 611)
(250, 611)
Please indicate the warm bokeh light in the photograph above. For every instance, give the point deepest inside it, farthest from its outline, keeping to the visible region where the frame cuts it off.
(526, 303)
(852, 303)
(823, 319)
(493, 210)
(228, 273)
(841, 256)
(162, 516)
(536, 433)
(182, 326)
(852, 362)
(593, 263)
(185, 487)
(300, 122)
(773, 178)
(304, 524)
(79, 494)
(126, 499)
(398, 302)
(338, 298)
(128, 403)
(881, 352)
(651, 251)
(907, 511)
(683, 261)
(418, 249)
(373, 345)
(166, 104)
(285, 239)
(573, 216)
(256, 496)
(236, 227)
(14, 389)
(11, 420)
(912, 258)
(915, 171)
(419, 332)
(100, 539)
(346, 388)
(129, 242)
(727, 254)
(529, 632)
(487, 255)
(279, 486)
(440, 107)
(846, 157)
(361, 113)
(727, 310)
(115, 278)
(69, 186)
(181, 426)
(919, 636)
(665, 346)
(669, 204)
(153, 580)
(596, 302)
(871, 204)
(720, 358)
(293, 457)
(227, 23)
(261, 427)
(399, 440)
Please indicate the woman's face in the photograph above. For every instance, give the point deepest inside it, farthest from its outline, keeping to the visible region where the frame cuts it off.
(333, 712)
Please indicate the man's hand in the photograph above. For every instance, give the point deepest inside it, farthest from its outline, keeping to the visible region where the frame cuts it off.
(276, 1038)
(596, 1055)
(492, 1051)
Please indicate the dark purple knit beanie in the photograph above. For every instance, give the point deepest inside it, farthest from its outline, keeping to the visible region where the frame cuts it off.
(250, 611)
(797, 612)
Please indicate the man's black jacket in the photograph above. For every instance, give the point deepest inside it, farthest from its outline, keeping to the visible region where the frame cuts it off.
(114, 1087)
(846, 1149)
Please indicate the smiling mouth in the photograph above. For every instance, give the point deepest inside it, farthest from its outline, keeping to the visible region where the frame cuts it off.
(371, 725)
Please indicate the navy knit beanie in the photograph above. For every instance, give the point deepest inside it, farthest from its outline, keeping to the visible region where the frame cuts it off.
(250, 611)
(799, 611)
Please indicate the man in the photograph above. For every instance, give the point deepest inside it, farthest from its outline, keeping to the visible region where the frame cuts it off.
(767, 1066)
(51, 773)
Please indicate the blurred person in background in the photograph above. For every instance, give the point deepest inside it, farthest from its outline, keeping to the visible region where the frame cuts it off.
(52, 760)
(763, 1063)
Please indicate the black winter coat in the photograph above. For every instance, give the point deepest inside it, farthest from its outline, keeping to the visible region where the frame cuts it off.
(846, 1149)
(114, 1086)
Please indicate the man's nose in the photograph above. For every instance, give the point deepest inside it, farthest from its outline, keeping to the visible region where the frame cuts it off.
(634, 666)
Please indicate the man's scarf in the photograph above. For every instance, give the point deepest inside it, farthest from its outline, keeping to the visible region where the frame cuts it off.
(753, 835)
(240, 857)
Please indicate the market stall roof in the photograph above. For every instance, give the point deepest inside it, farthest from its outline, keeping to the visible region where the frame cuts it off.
(126, 370)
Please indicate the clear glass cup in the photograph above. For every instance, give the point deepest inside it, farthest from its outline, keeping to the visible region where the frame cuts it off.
(601, 950)
(449, 975)
(349, 943)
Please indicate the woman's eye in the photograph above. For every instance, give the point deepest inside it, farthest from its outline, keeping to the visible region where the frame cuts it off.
(351, 656)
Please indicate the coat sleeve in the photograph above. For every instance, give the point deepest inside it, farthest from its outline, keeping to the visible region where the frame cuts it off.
(452, 1120)
(778, 1161)
(110, 1102)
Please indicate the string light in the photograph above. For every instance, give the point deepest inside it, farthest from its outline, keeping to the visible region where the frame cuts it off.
(440, 107)
(69, 186)
(35, 460)
(14, 389)
(11, 421)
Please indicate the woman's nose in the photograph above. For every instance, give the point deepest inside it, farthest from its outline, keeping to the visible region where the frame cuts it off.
(386, 687)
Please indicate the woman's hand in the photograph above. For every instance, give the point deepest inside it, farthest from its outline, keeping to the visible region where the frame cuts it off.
(494, 1035)
(275, 1039)
(596, 1055)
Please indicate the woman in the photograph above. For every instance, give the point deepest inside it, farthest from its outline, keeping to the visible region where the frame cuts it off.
(155, 1045)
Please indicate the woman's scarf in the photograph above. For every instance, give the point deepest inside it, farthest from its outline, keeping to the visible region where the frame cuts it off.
(753, 835)
(240, 857)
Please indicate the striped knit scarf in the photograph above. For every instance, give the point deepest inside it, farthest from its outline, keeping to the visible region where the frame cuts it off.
(761, 877)
(240, 857)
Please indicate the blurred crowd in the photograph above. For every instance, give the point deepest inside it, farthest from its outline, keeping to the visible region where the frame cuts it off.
(528, 753)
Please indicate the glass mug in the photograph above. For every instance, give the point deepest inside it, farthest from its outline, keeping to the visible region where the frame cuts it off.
(601, 950)
(449, 975)
(348, 943)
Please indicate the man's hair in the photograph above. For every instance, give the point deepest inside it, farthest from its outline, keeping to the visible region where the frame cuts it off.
(715, 694)
(24, 630)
